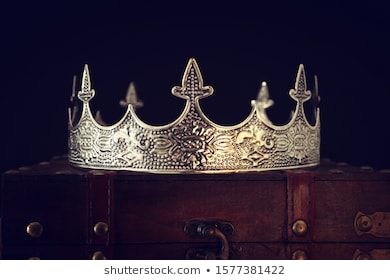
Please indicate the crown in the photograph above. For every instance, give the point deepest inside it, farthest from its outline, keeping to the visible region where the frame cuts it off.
(193, 143)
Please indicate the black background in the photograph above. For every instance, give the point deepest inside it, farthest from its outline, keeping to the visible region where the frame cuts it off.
(236, 45)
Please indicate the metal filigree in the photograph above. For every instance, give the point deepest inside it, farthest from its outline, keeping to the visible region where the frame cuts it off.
(193, 143)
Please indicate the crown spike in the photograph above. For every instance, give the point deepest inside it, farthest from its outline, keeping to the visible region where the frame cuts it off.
(73, 96)
(86, 80)
(263, 102)
(263, 96)
(132, 98)
(300, 92)
(86, 93)
(192, 83)
(192, 78)
(99, 118)
(316, 96)
(73, 104)
(264, 92)
(300, 82)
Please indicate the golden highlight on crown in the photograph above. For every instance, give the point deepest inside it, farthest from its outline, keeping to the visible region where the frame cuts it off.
(193, 143)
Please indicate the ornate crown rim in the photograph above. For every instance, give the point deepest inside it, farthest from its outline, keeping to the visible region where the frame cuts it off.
(192, 90)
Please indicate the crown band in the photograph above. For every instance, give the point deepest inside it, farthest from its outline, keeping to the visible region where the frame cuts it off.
(193, 143)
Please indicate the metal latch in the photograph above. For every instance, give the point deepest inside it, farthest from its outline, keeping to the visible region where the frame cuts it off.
(214, 229)
(376, 224)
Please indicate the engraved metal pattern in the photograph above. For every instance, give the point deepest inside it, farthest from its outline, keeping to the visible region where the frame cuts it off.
(193, 143)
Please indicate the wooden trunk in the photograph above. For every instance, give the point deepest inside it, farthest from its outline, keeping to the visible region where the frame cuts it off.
(54, 211)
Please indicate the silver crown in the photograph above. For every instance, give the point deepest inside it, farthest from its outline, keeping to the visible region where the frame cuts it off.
(193, 143)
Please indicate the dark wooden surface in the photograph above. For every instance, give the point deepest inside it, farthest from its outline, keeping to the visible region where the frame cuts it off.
(58, 202)
(151, 211)
(146, 213)
(245, 251)
(337, 204)
(300, 203)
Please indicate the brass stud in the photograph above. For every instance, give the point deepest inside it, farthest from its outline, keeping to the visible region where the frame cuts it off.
(299, 255)
(299, 228)
(364, 223)
(98, 255)
(34, 229)
(100, 229)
